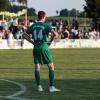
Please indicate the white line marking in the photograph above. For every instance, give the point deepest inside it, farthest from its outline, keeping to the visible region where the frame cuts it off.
(22, 87)
(15, 95)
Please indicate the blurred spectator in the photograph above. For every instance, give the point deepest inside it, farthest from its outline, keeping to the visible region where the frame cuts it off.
(1, 27)
(65, 34)
(15, 27)
(81, 34)
(75, 24)
(75, 33)
(1, 35)
(86, 35)
(65, 24)
(60, 24)
(93, 34)
(10, 39)
(93, 24)
(54, 24)
(6, 34)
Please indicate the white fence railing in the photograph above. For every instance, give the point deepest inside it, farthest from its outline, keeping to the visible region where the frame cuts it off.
(63, 43)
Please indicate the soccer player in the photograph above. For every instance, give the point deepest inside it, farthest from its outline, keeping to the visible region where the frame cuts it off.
(40, 31)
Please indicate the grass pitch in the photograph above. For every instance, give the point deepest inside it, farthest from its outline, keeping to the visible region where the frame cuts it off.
(77, 74)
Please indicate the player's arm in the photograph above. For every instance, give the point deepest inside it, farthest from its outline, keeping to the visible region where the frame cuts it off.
(26, 35)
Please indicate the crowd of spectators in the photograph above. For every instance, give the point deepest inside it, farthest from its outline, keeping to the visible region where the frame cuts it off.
(73, 31)
(13, 29)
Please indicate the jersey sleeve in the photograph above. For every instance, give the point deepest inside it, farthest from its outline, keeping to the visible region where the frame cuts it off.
(29, 30)
(49, 28)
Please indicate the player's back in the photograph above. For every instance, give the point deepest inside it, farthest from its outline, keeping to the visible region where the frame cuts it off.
(40, 34)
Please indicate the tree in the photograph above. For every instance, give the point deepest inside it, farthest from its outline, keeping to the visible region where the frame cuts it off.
(64, 12)
(4, 5)
(83, 14)
(74, 12)
(92, 8)
(16, 8)
(57, 12)
(31, 12)
(22, 1)
(22, 4)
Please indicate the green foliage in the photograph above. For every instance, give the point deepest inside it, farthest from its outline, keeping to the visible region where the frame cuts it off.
(72, 13)
(22, 1)
(92, 8)
(16, 8)
(64, 12)
(31, 12)
(4, 5)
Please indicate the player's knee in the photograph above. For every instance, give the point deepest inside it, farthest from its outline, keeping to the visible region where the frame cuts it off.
(37, 67)
(51, 66)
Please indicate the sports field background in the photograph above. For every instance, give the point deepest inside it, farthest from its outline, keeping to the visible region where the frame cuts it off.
(77, 74)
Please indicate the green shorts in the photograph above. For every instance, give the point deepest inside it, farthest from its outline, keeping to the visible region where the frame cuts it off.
(42, 56)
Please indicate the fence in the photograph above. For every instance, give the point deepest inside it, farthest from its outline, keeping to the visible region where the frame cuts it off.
(63, 43)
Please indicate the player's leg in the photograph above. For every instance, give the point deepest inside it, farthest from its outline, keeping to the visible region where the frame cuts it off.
(51, 78)
(51, 74)
(37, 77)
(37, 62)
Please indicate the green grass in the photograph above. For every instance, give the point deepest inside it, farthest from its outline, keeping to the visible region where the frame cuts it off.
(77, 74)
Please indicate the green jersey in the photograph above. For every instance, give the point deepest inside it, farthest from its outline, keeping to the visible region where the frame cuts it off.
(41, 53)
(40, 31)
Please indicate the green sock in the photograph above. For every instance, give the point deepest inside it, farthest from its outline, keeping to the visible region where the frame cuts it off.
(51, 77)
(37, 77)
